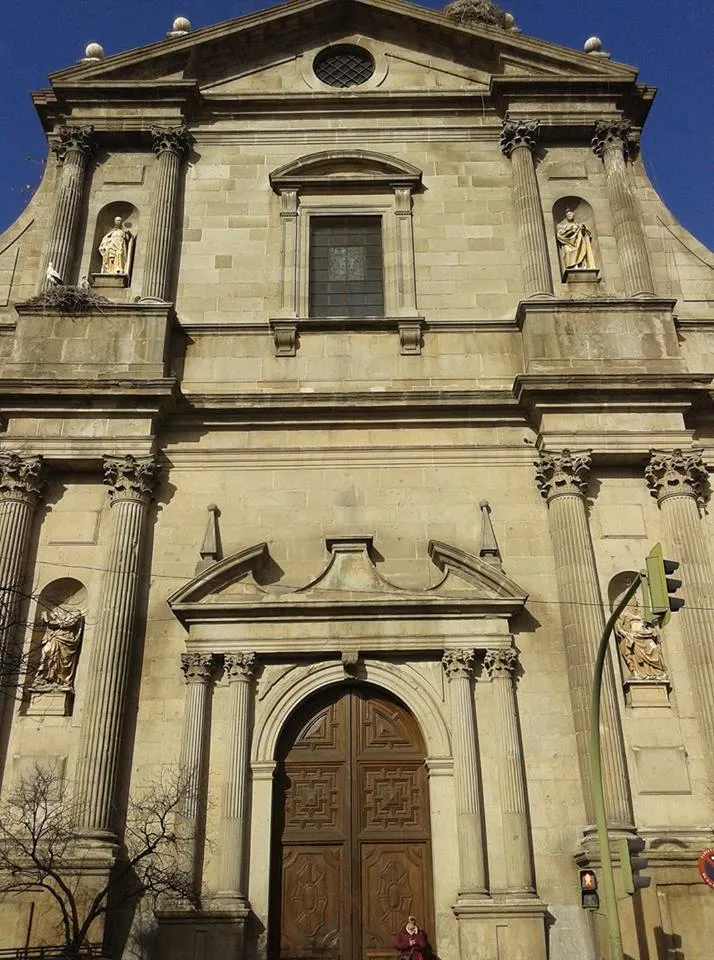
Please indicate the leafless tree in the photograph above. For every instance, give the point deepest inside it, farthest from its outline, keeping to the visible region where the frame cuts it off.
(40, 851)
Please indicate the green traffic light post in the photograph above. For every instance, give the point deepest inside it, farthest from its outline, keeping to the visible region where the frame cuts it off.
(657, 587)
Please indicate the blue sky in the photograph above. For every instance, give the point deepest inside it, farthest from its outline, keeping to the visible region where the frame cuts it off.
(670, 43)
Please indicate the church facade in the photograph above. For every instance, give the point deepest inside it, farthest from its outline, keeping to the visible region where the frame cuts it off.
(350, 367)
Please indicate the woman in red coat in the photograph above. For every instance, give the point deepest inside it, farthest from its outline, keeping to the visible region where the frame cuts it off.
(411, 942)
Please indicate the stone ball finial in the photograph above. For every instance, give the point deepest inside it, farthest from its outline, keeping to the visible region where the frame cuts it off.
(93, 53)
(509, 22)
(181, 26)
(592, 45)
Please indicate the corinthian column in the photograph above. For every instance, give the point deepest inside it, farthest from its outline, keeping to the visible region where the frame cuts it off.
(501, 665)
(22, 483)
(458, 665)
(131, 484)
(198, 670)
(613, 144)
(170, 146)
(74, 148)
(562, 479)
(678, 480)
(239, 668)
(518, 141)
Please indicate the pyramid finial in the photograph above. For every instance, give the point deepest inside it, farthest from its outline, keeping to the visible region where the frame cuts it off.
(489, 548)
(211, 546)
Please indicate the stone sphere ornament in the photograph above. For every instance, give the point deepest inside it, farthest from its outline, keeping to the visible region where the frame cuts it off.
(592, 45)
(93, 53)
(181, 27)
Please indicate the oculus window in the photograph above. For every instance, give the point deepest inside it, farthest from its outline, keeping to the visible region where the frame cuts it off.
(346, 266)
(344, 66)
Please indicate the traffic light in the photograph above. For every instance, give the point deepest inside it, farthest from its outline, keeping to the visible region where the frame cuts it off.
(588, 890)
(661, 585)
(631, 864)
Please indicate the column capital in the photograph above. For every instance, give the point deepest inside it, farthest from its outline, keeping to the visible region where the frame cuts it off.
(563, 473)
(239, 667)
(501, 663)
(130, 478)
(458, 664)
(677, 474)
(519, 133)
(78, 139)
(21, 478)
(172, 139)
(198, 667)
(613, 135)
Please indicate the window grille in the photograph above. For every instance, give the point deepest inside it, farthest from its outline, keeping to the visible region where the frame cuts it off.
(343, 66)
(346, 267)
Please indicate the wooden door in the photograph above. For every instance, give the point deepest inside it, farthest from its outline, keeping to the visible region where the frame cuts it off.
(351, 857)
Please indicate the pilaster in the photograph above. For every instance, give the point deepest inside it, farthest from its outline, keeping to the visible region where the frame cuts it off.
(458, 665)
(613, 144)
(562, 479)
(170, 146)
(131, 481)
(678, 480)
(74, 148)
(518, 141)
(239, 669)
(501, 666)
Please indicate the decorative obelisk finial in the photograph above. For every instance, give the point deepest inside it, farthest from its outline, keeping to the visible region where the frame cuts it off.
(489, 547)
(211, 546)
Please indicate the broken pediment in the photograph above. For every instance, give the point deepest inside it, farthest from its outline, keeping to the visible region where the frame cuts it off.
(270, 50)
(349, 586)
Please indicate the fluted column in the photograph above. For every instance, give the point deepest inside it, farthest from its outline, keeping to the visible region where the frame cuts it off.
(22, 483)
(198, 671)
(458, 665)
(170, 146)
(518, 141)
(239, 669)
(501, 665)
(562, 479)
(74, 148)
(131, 484)
(678, 480)
(612, 142)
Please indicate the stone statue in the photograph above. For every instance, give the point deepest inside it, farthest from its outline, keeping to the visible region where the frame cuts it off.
(61, 641)
(574, 244)
(115, 248)
(640, 646)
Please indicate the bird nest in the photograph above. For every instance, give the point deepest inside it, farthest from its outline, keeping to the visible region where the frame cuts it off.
(69, 299)
(478, 11)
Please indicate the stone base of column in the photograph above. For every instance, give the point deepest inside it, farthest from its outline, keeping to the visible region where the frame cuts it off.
(503, 928)
(200, 934)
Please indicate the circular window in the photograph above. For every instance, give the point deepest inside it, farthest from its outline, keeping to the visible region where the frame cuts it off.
(343, 66)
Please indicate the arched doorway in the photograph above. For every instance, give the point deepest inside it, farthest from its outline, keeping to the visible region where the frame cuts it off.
(351, 854)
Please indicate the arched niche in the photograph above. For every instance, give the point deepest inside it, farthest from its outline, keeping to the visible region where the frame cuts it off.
(55, 647)
(578, 251)
(129, 216)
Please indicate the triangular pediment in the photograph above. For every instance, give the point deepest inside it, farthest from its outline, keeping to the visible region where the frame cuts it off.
(271, 49)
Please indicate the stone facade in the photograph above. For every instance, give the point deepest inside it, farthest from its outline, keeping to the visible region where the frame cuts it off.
(442, 502)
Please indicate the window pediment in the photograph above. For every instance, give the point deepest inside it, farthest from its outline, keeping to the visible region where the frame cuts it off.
(344, 168)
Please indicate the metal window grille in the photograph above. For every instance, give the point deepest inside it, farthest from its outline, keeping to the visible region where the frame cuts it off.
(346, 267)
(343, 66)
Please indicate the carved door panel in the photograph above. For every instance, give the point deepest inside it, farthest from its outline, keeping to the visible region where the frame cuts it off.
(351, 855)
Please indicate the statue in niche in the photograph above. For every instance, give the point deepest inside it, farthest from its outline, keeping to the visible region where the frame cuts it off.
(61, 641)
(574, 244)
(640, 645)
(115, 249)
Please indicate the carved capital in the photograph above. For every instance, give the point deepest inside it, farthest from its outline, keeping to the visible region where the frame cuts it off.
(172, 139)
(79, 139)
(458, 664)
(613, 135)
(564, 473)
(130, 478)
(239, 667)
(197, 667)
(677, 474)
(501, 663)
(519, 133)
(21, 478)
